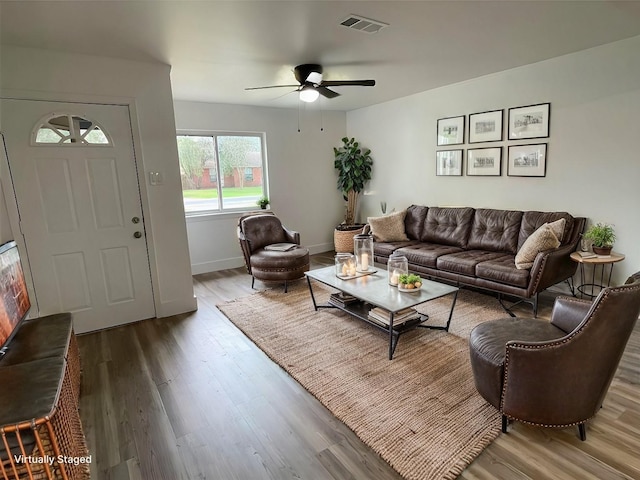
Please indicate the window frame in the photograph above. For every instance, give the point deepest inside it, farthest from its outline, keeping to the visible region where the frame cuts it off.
(74, 132)
(221, 211)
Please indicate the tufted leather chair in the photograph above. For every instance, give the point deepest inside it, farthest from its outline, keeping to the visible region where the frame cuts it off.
(557, 373)
(257, 231)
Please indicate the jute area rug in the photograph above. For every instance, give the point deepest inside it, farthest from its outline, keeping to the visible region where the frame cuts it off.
(419, 411)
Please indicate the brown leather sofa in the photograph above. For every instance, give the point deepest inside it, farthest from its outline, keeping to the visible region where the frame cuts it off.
(477, 247)
(255, 233)
(555, 374)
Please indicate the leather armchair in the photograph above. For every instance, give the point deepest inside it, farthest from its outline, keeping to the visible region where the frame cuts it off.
(257, 231)
(557, 373)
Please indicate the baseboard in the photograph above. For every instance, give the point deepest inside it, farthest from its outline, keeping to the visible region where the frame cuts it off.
(320, 248)
(235, 262)
(216, 265)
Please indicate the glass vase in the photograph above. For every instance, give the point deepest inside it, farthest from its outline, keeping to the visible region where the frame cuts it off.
(363, 249)
(397, 265)
(345, 265)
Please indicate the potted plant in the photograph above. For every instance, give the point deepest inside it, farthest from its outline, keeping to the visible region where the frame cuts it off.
(263, 202)
(602, 237)
(353, 164)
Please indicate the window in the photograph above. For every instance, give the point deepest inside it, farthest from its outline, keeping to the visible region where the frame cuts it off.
(221, 172)
(65, 129)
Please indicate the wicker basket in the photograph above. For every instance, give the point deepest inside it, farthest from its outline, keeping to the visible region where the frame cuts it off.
(56, 439)
(343, 239)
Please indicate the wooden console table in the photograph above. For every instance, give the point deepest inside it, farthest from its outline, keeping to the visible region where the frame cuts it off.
(42, 436)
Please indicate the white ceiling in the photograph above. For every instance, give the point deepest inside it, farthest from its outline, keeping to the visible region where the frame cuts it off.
(217, 48)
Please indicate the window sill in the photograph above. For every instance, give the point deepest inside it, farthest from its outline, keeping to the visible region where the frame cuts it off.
(209, 216)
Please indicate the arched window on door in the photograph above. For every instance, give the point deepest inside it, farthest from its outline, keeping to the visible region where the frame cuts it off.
(68, 129)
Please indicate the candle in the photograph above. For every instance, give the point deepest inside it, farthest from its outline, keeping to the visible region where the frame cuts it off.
(395, 277)
(364, 262)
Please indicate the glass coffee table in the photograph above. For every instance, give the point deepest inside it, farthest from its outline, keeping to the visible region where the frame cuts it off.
(359, 296)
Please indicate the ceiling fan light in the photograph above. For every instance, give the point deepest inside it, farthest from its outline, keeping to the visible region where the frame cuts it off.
(309, 94)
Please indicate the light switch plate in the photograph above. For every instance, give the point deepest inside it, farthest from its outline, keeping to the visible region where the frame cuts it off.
(155, 178)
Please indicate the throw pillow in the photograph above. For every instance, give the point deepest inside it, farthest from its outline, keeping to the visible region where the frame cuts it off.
(557, 227)
(389, 228)
(540, 240)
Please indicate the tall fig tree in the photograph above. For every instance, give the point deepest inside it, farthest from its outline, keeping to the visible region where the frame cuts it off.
(354, 170)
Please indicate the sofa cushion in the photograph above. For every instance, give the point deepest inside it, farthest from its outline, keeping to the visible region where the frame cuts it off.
(388, 228)
(495, 230)
(447, 226)
(539, 241)
(465, 262)
(385, 249)
(531, 221)
(426, 254)
(503, 270)
(414, 221)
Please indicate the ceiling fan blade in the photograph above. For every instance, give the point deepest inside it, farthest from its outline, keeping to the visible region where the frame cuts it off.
(284, 94)
(325, 92)
(271, 86)
(355, 83)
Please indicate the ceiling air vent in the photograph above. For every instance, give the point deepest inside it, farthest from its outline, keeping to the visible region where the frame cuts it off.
(363, 24)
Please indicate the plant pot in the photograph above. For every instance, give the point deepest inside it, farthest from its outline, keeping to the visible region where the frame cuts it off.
(343, 237)
(602, 250)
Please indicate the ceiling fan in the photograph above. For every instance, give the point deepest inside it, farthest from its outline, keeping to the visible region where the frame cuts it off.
(311, 85)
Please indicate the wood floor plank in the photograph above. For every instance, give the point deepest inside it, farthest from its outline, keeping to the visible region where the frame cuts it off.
(190, 396)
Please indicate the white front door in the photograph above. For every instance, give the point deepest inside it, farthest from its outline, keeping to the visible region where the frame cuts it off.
(80, 210)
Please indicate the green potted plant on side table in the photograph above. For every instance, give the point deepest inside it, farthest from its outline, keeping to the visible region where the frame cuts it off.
(353, 164)
(602, 237)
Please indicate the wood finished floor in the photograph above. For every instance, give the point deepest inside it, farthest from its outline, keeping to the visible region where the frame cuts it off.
(190, 397)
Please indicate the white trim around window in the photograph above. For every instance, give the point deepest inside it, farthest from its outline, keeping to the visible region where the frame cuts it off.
(213, 169)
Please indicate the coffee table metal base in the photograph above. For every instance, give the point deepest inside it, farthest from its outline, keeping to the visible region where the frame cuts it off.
(360, 310)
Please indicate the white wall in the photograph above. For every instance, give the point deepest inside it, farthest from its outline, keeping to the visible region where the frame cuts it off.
(302, 180)
(146, 88)
(593, 166)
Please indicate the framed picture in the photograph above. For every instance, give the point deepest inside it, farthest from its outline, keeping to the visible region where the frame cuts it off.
(486, 126)
(449, 162)
(527, 160)
(451, 130)
(529, 122)
(484, 161)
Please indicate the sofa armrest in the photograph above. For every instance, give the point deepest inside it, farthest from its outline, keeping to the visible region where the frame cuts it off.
(569, 312)
(292, 236)
(551, 267)
(543, 384)
(554, 266)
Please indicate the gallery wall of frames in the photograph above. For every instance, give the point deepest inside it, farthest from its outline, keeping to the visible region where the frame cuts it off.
(477, 133)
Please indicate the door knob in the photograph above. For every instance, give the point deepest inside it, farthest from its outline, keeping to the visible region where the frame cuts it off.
(137, 234)
(135, 220)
